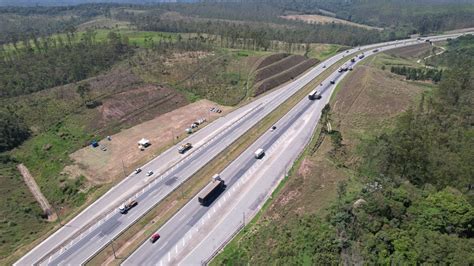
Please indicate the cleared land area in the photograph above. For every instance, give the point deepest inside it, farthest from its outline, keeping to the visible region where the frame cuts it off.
(35, 190)
(281, 71)
(318, 19)
(418, 50)
(366, 102)
(122, 155)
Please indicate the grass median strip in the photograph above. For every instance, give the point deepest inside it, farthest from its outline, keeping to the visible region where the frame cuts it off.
(129, 240)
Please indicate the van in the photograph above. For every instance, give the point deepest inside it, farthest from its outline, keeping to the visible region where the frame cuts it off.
(259, 153)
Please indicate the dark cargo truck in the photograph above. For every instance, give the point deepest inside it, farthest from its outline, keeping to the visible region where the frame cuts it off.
(211, 191)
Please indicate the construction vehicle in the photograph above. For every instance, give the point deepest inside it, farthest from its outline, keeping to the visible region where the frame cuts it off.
(124, 208)
(183, 148)
(211, 191)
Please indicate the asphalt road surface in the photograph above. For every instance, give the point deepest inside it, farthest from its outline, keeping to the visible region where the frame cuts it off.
(93, 228)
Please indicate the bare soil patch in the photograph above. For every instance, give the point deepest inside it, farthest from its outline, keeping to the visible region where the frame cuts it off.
(318, 19)
(101, 166)
(35, 190)
(278, 67)
(288, 72)
(270, 59)
(139, 104)
(415, 51)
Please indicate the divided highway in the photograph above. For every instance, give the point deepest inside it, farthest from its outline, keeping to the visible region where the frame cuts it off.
(93, 228)
(196, 232)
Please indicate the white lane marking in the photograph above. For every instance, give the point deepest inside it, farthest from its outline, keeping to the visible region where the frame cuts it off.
(169, 256)
(176, 248)
(184, 241)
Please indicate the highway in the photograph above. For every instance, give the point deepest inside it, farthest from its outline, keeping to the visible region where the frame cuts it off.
(196, 232)
(93, 228)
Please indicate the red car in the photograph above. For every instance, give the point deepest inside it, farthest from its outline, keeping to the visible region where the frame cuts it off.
(154, 237)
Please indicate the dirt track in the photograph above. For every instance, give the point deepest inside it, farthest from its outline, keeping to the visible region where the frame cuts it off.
(35, 190)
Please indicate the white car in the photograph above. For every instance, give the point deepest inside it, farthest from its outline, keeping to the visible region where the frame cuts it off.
(149, 173)
(138, 170)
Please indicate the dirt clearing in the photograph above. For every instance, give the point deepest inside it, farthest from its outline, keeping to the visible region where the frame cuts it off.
(35, 190)
(318, 19)
(415, 51)
(122, 154)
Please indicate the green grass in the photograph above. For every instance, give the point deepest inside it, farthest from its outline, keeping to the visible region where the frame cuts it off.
(325, 52)
(20, 220)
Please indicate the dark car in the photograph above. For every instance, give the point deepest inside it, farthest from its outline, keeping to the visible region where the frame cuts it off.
(332, 81)
(154, 237)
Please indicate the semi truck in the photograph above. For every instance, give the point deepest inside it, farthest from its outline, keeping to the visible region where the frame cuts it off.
(211, 191)
(314, 95)
(183, 148)
(124, 208)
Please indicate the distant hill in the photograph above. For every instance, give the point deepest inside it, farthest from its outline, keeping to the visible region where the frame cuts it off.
(78, 2)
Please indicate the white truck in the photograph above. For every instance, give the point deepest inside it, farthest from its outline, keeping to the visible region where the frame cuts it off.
(259, 153)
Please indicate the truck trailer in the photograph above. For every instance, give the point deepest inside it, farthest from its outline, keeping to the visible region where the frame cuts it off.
(211, 191)
(124, 208)
(314, 95)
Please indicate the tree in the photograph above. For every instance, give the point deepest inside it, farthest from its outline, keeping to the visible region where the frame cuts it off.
(83, 90)
(13, 130)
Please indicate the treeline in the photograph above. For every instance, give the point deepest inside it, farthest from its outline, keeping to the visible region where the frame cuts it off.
(407, 16)
(50, 62)
(254, 35)
(412, 73)
(22, 23)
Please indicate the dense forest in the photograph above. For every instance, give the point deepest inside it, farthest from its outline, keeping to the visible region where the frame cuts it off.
(49, 62)
(418, 73)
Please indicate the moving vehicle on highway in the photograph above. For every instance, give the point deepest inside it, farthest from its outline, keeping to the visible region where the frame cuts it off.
(361, 56)
(211, 191)
(149, 173)
(154, 237)
(259, 153)
(183, 148)
(314, 95)
(138, 170)
(124, 208)
(332, 81)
